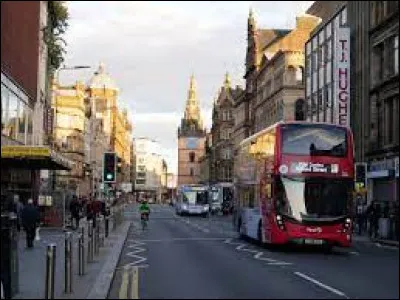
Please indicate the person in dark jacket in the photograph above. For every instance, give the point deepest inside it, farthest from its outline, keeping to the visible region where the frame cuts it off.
(30, 218)
(75, 209)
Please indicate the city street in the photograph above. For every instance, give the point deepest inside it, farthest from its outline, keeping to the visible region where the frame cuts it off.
(195, 257)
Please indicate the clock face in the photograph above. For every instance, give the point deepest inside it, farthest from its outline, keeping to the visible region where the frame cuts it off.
(191, 143)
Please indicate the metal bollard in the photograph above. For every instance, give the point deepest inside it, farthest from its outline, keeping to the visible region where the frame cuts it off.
(68, 263)
(50, 271)
(97, 237)
(107, 224)
(81, 252)
(103, 230)
(114, 219)
(90, 242)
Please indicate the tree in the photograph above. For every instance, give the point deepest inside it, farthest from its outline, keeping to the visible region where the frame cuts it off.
(53, 34)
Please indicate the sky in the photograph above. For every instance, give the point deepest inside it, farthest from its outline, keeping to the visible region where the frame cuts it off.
(151, 48)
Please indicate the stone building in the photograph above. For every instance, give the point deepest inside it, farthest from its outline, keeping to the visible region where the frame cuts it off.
(71, 120)
(103, 94)
(274, 74)
(374, 29)
(191, 138)
(221, 167)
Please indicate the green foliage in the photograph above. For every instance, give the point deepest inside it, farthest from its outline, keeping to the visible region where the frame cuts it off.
(53, 34)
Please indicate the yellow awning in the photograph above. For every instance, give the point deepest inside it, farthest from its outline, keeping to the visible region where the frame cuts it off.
(34, 158)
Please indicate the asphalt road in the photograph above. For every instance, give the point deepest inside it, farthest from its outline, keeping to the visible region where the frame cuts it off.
(195, 257)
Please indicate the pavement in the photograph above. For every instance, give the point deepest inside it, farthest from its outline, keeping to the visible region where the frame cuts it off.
(32, 265)
(195, 257)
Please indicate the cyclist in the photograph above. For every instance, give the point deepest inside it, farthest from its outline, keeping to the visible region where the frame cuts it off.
(144, 213)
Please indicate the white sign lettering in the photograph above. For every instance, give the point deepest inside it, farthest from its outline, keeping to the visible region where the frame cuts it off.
(342, 76)
(304, 167)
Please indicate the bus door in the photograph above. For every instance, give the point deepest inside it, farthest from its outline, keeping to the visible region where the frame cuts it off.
(266, 200)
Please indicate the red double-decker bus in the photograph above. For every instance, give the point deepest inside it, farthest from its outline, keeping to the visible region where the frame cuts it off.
(294, 182)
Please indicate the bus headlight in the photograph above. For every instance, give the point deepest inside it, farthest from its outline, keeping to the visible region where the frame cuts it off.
(347, 223)
(280, 223)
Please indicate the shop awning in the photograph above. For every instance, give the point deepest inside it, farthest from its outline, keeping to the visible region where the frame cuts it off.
(33, 158)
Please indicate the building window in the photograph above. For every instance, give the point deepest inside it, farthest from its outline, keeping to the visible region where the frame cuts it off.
(191, 172)
(393, 56)
(389, 121)
(343, 20)
(192, 157)
(377, 63)
(4, 109)
(308, 48)
(392, 7)
(300, 110)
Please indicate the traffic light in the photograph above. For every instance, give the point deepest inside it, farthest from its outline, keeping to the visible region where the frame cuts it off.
(109, 167)
(361, 175)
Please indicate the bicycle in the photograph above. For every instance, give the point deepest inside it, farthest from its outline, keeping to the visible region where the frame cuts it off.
(144, 219)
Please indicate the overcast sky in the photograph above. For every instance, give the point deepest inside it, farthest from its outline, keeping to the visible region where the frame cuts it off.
(152, 48)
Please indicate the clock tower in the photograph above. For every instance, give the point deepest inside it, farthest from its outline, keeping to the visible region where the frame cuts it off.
(191, 139)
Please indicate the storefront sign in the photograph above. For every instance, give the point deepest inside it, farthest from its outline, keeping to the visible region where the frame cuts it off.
(24, 151)
(342, 76)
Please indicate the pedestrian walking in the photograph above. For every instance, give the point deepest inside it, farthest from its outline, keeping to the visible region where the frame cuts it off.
(373, 213)
(75, 209)
(18, 209)
(30, 218)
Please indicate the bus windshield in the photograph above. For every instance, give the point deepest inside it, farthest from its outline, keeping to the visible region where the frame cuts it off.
(195, 197)
(314, 140)
(306, 198)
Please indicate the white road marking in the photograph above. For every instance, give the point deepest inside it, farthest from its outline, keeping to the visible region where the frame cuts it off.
(354, 253)
(259, 255)
(320, 284)
(240, 247)
(134, 254)
(182, 239)
(386, 246)
(195, 225)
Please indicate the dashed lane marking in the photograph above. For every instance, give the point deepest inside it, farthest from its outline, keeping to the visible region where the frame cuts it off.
(320, 284)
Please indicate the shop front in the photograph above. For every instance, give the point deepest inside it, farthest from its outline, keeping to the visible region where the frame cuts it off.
(20, 175)
(383, 188)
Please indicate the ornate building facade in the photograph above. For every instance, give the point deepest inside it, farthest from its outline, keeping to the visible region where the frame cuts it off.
(103, 94)
(191, 139)
(274, 72)
(221, 167)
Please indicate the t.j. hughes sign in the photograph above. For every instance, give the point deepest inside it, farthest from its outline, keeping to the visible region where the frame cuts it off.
(342, 76)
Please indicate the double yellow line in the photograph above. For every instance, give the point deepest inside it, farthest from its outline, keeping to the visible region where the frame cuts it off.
(123, 290)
